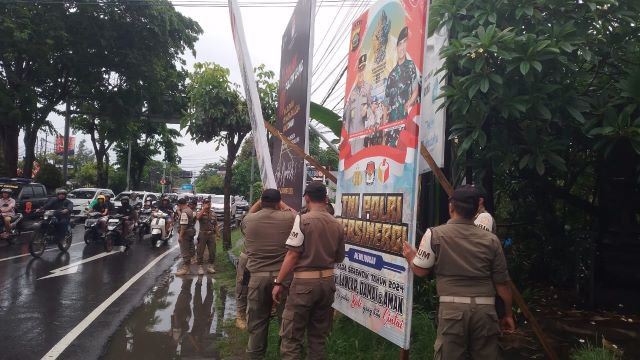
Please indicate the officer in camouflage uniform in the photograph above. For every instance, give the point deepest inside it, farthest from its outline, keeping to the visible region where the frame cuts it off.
(401, 92)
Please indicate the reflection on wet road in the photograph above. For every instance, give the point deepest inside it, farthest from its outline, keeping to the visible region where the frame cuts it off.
(179, 318)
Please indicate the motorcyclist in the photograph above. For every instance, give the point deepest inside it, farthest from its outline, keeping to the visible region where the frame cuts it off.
(129, 214)
(63, 208)
(111, 209)
(7, 208)
(166, 207)
(100, 206)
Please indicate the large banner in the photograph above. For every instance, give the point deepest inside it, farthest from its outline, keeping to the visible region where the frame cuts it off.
(433, 117)
(60, 145)
(293, 103)
(377, 179)
(251, 95)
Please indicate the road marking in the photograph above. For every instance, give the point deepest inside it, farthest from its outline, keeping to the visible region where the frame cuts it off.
(23, 255)
(73, 268)
(84, 324)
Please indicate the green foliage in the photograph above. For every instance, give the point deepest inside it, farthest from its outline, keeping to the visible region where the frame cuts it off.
(590, 352)
(216, 109)
(326, 117)
(543, 105)
(49, 176)
(210, 184)
(86, 175)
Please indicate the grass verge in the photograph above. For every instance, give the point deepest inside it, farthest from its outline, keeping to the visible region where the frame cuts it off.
(592, 352)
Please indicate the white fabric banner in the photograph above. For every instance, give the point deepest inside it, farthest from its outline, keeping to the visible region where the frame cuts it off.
(253, 100)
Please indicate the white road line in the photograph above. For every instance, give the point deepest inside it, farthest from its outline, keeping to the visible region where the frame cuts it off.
(23, 255)
(73, 267)
(84, 324)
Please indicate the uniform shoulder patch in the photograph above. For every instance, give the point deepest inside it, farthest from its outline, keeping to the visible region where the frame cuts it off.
(184, 218)
(296, 237)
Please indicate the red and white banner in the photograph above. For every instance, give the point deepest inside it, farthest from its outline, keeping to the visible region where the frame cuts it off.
(378, 169)
(60, 145)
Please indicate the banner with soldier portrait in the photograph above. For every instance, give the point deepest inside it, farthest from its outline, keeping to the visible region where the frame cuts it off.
(378, 166)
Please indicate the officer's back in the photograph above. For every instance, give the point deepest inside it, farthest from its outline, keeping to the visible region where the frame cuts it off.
(466, 262)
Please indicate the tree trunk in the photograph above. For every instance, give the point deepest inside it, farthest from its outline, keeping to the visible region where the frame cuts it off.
(101, 177)
(30, 139)
(232, 152)
(9, 149)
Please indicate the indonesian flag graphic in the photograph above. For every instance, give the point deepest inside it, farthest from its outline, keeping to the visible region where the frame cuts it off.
(383, 171)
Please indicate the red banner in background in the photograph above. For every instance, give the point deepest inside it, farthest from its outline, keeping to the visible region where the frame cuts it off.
(60, 145)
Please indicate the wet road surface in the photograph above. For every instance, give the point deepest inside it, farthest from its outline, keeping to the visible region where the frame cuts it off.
(182, 317)
(68, 305)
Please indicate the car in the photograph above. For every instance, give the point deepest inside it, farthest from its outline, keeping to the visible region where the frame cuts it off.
(241, 203)
(29, 195)
(135, 197)
(217, 204)
(82, 197)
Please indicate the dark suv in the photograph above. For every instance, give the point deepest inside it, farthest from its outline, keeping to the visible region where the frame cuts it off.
(29, 195)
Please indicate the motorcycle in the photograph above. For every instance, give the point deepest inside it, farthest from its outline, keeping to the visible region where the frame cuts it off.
(14, 229)
(115, 233)
(144, 223)
(46, 233)
(158, 228)
(92, 231)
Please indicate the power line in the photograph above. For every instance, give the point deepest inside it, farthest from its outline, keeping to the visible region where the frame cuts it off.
(189, 3)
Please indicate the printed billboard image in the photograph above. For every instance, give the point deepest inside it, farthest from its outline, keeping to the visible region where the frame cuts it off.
(433, 117)
(70, 146)
(292, 118)
(378, 166)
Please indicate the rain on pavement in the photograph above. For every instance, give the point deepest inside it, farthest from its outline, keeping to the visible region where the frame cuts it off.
(72, 304)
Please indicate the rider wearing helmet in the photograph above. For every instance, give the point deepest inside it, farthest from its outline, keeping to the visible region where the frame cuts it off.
(7, 208)
(166, 207)
(63, 208)
(129, 212)
(126, 209)
(100, 206)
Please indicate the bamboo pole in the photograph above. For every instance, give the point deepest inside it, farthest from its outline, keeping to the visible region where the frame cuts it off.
(300, 152)
(517, 297)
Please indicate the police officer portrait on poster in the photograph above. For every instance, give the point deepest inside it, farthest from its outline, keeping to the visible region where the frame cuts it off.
(378, 165)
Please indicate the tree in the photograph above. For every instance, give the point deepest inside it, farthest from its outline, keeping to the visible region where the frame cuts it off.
(49, 176)
(149, 140)
(33, 75)
(52, 56)
(543, 103)
(217, 112)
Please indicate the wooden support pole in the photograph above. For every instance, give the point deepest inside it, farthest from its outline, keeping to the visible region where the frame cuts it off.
(517, 297)
(300, 152)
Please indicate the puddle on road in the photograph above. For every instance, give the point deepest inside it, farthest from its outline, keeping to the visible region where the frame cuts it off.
(181, 317)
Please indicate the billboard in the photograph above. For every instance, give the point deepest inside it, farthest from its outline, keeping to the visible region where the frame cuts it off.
(378, 168)
(60, 145)
(292, 118)
(433, 122)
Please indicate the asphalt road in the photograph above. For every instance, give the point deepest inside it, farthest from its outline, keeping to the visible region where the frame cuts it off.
(69, 305)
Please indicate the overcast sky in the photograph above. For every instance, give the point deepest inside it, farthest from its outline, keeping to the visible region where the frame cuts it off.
(263, 29)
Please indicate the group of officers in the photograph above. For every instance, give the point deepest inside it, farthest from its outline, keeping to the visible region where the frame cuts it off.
(290, 260)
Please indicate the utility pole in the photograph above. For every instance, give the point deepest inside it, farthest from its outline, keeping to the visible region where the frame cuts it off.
(129, 167)
(164, 175)
(65, 154)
